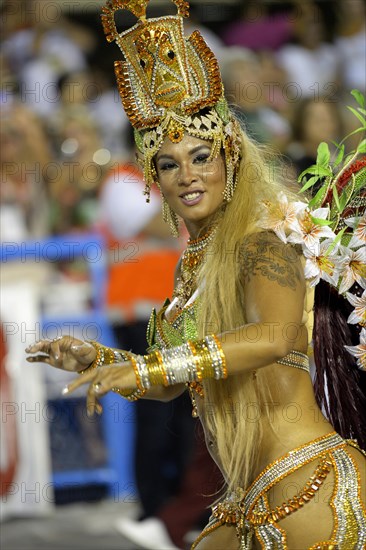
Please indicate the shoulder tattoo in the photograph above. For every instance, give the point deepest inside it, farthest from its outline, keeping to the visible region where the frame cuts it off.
(264, 254)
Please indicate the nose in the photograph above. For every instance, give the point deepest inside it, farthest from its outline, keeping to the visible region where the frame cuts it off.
(187, 174)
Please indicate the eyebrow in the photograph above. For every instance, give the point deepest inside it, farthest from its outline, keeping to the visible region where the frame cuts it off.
(191, 152)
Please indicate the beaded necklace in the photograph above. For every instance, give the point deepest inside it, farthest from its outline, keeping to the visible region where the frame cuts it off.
(192, 260)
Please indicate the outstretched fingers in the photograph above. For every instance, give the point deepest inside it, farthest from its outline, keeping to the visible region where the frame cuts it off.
(41, 345)
(40, 359)
(43, 349)
(99, 385)
(101, 381)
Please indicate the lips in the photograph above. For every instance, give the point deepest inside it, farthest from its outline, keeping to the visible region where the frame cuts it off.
(191, 198)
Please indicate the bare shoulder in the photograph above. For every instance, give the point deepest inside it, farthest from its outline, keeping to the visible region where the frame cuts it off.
(263, 254)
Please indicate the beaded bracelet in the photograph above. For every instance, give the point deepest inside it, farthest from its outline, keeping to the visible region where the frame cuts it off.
(135, 395)
(190, 362)
(139, 370)
(109, 356)
(105, 356)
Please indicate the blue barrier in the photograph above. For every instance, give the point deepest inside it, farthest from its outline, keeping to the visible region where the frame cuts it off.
(118, 416)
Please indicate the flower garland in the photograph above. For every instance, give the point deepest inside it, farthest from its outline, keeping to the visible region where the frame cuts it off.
(331, 227)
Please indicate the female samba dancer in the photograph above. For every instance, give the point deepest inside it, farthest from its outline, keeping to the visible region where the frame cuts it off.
(236, 329)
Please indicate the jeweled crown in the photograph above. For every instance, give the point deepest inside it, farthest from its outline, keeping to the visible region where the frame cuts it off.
(162, 69)
(171, 85)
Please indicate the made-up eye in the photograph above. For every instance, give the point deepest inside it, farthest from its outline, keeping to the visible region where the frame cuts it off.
(142, 63)
(171, 54)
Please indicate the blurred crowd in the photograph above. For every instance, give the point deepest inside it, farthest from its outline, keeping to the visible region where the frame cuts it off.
(67, 165)
(63, 128)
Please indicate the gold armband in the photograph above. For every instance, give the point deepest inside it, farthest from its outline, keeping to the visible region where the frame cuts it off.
(190, 362)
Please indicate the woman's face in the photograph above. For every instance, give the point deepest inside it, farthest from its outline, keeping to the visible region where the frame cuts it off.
(192, 184)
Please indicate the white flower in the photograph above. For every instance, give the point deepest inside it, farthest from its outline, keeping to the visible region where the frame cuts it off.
(321, 263)
(281, 216)
(359, 313)
(359, 234)
(309, 232)
(360, 350)
(352, 268)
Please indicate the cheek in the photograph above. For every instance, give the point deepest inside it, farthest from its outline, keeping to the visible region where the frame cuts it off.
(165, 184)
(217, 173)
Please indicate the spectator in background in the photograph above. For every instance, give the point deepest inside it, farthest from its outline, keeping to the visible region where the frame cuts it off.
(314, 121)
(194, 23)
(24, 163)
(81, 166)
(90, 92)
(243, 80)
(257, 29)
(310, 62)
(106, 110)
(274, 80)
(350, 41)
(43, 49)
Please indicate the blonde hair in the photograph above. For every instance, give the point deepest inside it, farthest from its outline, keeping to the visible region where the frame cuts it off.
(226, 415)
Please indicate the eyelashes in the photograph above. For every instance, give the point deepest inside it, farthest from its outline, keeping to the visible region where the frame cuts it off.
(166, 166)
(199, 159)
(202, 158)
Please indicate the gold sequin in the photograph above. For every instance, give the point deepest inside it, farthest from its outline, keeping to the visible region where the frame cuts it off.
(252, 514)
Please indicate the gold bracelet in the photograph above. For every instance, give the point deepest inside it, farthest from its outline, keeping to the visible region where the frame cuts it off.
(197, 358)
(222, 355)
(156, 370)
(135, 395)
(105, 356)
(206, 363)
(190, 362)
(99, 358)
(136, 371)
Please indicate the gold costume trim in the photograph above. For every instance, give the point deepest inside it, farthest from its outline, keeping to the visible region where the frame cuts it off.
(250, 513)
(171, 85)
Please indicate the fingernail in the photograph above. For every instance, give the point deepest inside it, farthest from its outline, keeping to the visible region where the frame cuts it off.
(65, 390)
(74, 347)
(90, 411)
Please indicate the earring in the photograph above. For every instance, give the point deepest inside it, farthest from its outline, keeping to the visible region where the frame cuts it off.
(170, 217)
(230, 183)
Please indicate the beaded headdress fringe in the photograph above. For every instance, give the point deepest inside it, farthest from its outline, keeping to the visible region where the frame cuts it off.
(171, 85)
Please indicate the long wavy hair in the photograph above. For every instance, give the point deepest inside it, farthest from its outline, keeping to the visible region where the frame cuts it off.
(237, 436)
(340, 389)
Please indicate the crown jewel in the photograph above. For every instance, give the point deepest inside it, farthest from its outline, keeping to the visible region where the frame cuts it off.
(169, 84)
(137, 7)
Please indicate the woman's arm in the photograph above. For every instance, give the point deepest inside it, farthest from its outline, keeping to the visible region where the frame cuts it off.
(273, 298)
(274, 292)
(161, 393)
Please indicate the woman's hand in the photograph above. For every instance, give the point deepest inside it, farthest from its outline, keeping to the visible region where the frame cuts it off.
(120, 376)
(66, 353)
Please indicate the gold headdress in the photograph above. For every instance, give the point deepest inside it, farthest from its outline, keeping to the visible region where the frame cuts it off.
(170, 85)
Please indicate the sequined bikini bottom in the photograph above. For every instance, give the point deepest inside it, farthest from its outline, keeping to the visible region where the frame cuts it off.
(250, 513)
